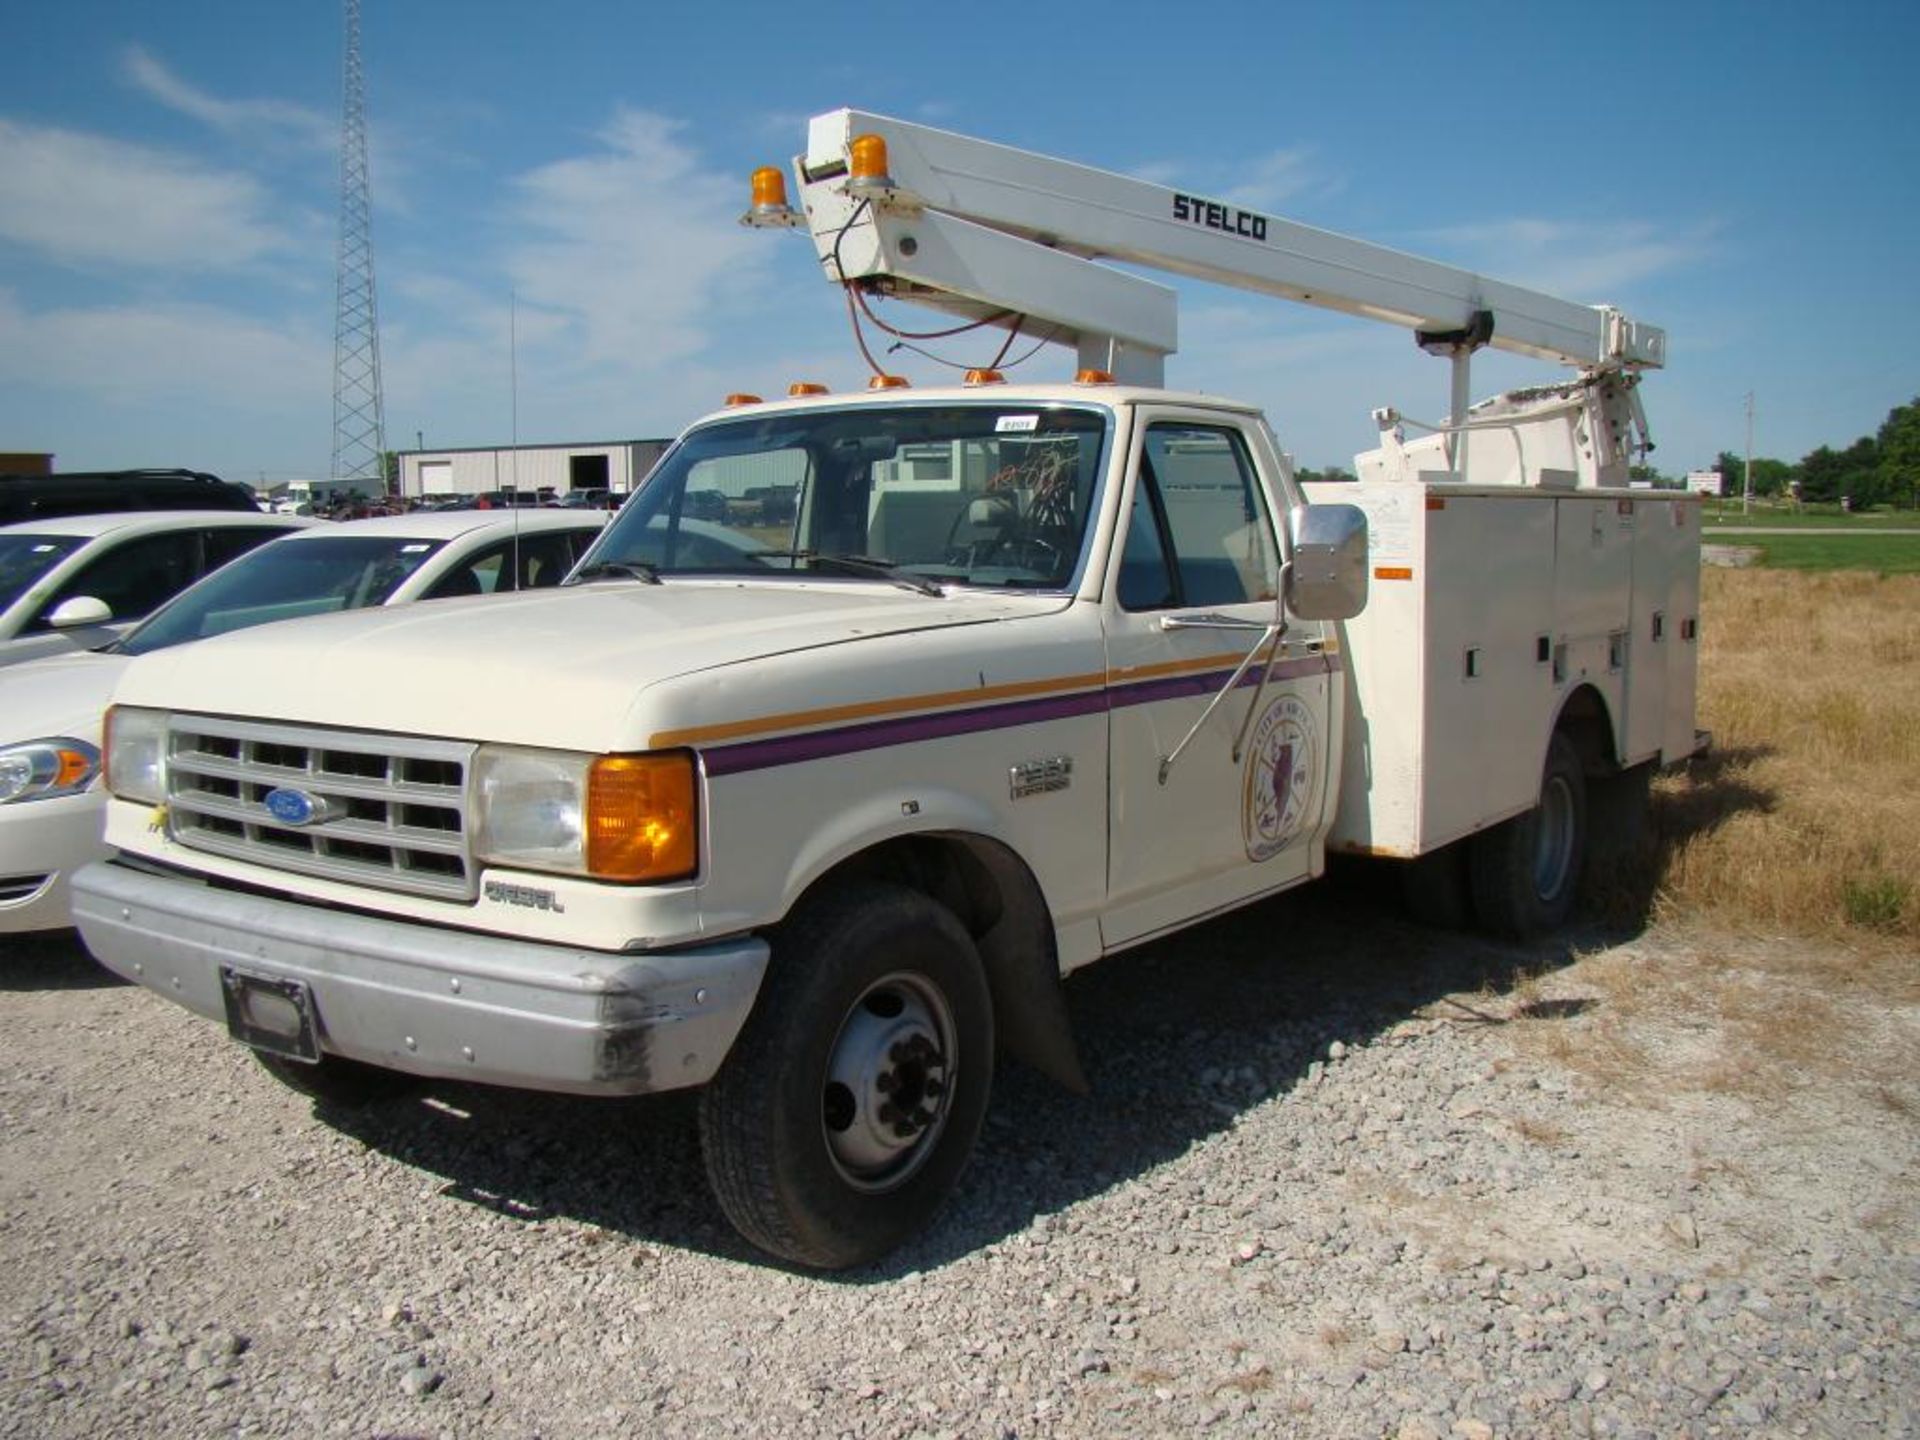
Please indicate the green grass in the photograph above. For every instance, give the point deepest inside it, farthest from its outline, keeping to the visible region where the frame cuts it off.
(1825, 517)
(1881, 554)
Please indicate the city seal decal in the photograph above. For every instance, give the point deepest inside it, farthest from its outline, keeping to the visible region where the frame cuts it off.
(1280, 777)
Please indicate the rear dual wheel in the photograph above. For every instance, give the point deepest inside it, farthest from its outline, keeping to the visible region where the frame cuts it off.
(1525, 872)
(854, 1094)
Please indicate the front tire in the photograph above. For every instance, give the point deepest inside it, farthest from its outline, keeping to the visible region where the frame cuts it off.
(1526, 871)
(852, 1099)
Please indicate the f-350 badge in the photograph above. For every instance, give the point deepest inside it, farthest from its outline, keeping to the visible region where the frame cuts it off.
(1280, 777)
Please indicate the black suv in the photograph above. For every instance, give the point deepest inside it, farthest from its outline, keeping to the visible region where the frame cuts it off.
(38, 497)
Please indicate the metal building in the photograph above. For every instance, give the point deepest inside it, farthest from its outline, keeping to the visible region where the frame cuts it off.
(616, 465)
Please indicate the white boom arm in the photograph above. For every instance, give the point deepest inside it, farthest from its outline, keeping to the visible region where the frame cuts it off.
(977, 229)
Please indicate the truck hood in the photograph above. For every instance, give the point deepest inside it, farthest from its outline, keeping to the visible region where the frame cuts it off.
(61, 695)
(562, 668)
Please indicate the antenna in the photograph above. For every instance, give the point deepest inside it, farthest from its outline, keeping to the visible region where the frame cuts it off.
(359, 411)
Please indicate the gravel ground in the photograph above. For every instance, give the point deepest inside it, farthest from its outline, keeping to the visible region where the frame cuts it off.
(1321, 1188)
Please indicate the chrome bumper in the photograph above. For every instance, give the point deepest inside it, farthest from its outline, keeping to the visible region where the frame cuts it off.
(435, 1002)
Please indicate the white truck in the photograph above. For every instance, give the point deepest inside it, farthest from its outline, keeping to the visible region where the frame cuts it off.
(872, 716)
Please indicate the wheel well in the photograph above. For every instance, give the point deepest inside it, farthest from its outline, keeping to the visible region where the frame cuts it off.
(1586, 721)
(993, 894)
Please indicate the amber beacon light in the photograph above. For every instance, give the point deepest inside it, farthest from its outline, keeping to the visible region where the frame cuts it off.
(769, 207)
(867, 165)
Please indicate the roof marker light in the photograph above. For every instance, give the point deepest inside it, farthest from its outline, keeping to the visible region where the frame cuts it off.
(741, 397)
(985, 377)
(889, 382)
(1093, 377)
(805, 387)
(867, 165)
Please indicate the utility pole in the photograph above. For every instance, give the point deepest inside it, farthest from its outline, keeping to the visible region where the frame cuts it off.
(1746, 495)
(359, 410)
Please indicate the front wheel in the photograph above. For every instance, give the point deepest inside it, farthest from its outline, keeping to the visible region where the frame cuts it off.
(1526, 871)
(853, 1097)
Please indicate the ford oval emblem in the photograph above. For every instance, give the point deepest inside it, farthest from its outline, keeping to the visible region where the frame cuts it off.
(297, 807)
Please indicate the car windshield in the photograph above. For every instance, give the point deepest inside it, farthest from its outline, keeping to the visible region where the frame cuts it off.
(972, 494)
(25, 558)
(284, 581)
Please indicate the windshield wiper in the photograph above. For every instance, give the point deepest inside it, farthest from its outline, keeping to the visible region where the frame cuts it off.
(863, 565)
(625, 569)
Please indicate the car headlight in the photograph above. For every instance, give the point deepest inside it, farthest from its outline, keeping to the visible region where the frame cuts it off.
(611, 817)
(136, 759)
(45, 769)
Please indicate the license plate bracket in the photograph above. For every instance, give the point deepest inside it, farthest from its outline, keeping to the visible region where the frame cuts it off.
(271, 1012)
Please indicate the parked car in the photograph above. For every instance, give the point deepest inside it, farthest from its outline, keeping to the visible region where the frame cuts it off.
(77, 582)
(50, 710)
(95, 492)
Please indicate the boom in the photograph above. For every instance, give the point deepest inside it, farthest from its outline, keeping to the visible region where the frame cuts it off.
(979, 230)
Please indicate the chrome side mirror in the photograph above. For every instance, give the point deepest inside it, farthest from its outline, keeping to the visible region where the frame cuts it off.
(1327, 579)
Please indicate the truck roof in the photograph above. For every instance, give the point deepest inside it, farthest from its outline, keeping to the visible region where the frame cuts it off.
(1008, 393)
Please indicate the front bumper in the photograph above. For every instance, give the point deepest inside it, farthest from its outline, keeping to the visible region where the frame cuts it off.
(42, 842)
(431, 1001)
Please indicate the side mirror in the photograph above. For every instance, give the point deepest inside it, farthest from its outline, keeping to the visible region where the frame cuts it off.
(1328, 577)
(78, 611)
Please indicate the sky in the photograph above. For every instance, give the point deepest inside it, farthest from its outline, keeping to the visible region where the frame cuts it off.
(555, 189)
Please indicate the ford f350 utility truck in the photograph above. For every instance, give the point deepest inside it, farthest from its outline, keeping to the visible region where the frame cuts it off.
(871, 716)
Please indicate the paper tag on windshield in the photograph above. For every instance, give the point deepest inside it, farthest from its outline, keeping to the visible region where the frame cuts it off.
(1016, 424)
(413, 549)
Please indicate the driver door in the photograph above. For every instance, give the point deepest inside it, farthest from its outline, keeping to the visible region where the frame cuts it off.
(1207, 808)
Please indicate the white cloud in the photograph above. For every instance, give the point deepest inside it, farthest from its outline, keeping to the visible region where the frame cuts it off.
(248, 118)
(631, 249)
(88, 199)
(133, 353)
(1588, 261)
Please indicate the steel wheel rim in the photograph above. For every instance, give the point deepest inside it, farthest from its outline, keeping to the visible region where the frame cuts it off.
(889, 1083)
(1553, 839)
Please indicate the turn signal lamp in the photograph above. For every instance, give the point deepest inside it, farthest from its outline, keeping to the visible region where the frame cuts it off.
(867, 164)
(641, 817)
(985, 377)
(889, 382)
(741, 397)
(769, 207)
(805, 387)
(1093, 377)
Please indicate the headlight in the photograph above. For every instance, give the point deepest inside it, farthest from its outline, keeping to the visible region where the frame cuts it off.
(613, 817)
(44, 769)
(137, 754)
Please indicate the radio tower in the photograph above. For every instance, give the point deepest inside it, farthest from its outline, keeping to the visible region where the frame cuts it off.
(359, 412)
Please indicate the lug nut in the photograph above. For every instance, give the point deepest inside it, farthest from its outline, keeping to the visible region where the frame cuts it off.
(889, 1113)
(884, 1082)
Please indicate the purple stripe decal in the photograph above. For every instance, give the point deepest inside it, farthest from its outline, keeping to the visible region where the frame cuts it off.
(911, 729)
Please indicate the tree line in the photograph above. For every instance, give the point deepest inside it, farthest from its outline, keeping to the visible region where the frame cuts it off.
(1878, 469)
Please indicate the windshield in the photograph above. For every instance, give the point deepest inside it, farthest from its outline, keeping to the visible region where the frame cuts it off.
(283, 582)
(25, 558)
(973, 494)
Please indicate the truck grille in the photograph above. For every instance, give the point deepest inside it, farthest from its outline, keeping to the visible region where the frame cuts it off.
(390, 809)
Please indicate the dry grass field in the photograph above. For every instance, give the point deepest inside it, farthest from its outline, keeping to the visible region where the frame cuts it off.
(1784, 866)
(1805, 819)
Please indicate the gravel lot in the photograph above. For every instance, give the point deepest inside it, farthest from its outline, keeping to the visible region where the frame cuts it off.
(1330, 1182)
